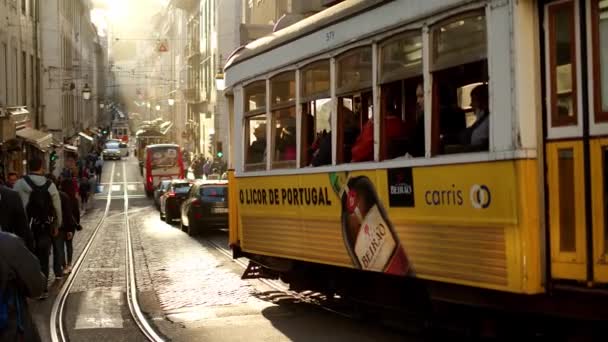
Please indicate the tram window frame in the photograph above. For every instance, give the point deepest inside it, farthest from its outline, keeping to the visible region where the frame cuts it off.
(248, 116)
(248, 90)
(362, 84)
(404, 78)
(278, 108)
(562, 121)
(600, 103)
(360, 92)
(259, 166)
(310, 103)
(450, 76)
(359, 101)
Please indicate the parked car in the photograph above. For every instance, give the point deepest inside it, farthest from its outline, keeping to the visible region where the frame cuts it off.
(206, 207)
(160, 190)
(111, 151)
(171, 200)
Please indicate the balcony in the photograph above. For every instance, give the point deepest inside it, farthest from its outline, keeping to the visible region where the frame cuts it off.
(191, 94)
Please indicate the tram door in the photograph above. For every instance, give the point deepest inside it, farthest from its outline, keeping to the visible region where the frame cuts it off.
(576, 146)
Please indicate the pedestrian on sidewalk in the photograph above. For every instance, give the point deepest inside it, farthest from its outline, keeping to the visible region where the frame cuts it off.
(71, 222)
(20, 277)
(92, 187)
(58, 240)
(99, 168)
(84, 189)
(13, 218)
(42, 203)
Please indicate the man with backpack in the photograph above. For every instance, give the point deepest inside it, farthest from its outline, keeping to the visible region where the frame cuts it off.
(20, 277)
(42, 204)
(12, 216)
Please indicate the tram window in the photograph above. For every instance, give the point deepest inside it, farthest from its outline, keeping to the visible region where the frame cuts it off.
(316, 114)
(600, 37)
(401, 101)
(460, 91)
(255, 97)
(354, 70)
(402, 113)
(401, 57)
(354, 78)
(315, 80)
(355, 124)
(255, 143)
(284, 139)
(283, 88)
(562, 53)
(282, 91)
(316, 128)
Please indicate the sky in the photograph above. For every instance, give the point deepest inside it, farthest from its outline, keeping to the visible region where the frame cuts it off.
(124, 17)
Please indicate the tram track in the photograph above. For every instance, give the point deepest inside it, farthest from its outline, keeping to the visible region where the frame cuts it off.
(58, 330)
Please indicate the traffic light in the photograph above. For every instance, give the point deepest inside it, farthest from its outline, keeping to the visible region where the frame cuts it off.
(52, 161)
(220, 152)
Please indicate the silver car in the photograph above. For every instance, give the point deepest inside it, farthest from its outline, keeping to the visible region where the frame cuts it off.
(111, 151)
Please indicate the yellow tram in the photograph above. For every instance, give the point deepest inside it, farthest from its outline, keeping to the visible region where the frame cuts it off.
(459, 143)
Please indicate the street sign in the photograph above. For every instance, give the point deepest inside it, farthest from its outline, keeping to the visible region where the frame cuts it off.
(163, 46)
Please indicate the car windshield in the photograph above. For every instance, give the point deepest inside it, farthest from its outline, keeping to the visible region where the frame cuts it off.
(181, 188)
(112, 146)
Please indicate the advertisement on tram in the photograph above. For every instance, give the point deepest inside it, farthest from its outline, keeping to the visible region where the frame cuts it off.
(162, 162)
(381, 220)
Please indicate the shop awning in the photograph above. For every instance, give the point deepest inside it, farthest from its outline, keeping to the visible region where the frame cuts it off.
(165, 127)
(56, 142)
(70, 148)
(86, 136)
(19, 114)
(39, 139)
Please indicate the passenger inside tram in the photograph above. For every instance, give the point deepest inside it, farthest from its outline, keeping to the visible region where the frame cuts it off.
(316, 132)
(463, 108)
(474, 136)
(402, 133)
(257, 150)
(350, 129)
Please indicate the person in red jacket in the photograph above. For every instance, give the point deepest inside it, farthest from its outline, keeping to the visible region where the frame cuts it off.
(363, 150)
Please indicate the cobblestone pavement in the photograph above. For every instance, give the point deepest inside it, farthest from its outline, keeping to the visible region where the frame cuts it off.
(195, 293)
(189, 290)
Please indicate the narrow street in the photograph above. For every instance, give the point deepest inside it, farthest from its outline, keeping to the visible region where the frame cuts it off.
(188, 288)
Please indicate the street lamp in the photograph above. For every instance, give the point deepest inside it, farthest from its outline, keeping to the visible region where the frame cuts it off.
(220, 83)
(148, 104)
(157, 107)
(86, 92)
(101, 105)
(171, 101)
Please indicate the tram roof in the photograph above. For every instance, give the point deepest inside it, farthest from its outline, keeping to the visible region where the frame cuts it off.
(348, 22)
(303, 27)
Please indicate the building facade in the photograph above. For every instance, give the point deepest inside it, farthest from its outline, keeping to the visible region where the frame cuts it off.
(20, 88)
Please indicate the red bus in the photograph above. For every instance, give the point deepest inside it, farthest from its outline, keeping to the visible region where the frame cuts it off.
(161, 162)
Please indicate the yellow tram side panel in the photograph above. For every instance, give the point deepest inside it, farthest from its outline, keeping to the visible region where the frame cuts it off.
(495, 247)
(233, 213)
